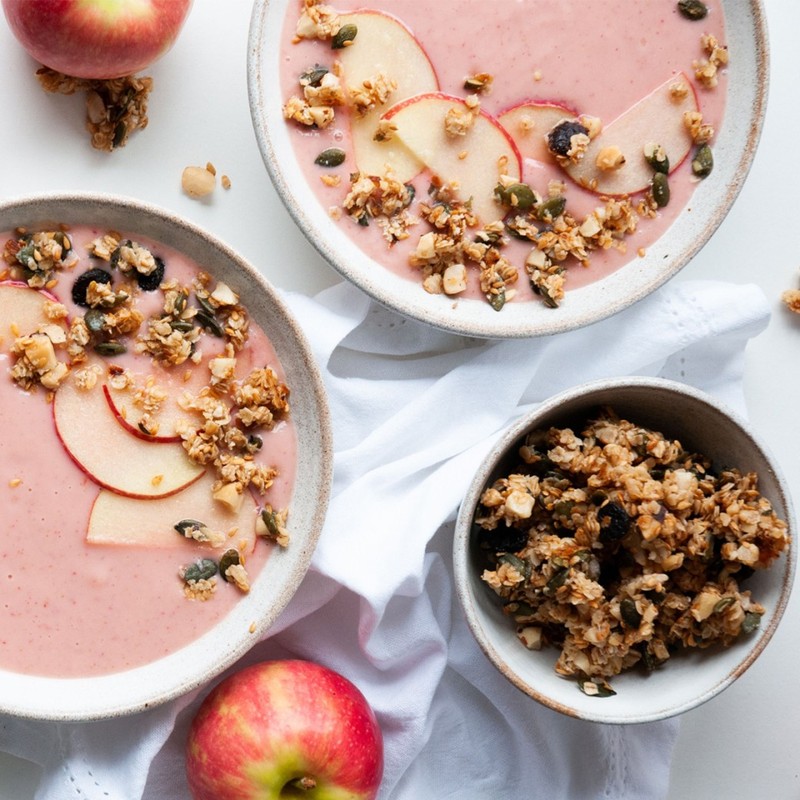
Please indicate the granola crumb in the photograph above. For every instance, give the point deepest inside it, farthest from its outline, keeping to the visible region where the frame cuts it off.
(14, 482)
(225, 182)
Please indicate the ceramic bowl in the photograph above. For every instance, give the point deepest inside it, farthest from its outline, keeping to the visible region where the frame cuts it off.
(194, 665)
(687, 679)
(734, 148)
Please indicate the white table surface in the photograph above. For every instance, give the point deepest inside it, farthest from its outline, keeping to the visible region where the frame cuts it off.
(742, 745)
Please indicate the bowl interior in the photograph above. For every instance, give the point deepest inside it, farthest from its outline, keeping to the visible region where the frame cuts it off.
(195, 664)
(687, 679)
(734, 149)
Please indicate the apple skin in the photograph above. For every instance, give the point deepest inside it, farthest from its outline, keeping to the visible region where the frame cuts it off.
(96, 39)
(276, 722)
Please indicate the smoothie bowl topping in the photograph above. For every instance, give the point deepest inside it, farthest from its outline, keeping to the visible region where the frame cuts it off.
(620, 548)
(461, 181)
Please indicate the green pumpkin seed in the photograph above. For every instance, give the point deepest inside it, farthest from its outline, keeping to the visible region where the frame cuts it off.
(182, 325)
(558, 579)
(202, 570)
(180, 303)
(656, 157)
(692, 9)
(94, 319)
(497, 299)
(205, 305)
(110, 348)
(518, 196)
(703, 162)
(552, 208)
(269, 519)
(725, 602)
(595, 688)
(210, 323)
(750, 622)
(660, 189)
(120, 132)
(188, 525)
(629, 613)
(229, 558)
(332, 157)
(313, 76)
(344, 37)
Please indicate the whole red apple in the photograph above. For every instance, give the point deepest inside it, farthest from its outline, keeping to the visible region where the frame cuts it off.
(283, 729)
(96, 38)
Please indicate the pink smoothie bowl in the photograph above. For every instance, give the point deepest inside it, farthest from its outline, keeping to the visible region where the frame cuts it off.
(734, 147)
(250, 619)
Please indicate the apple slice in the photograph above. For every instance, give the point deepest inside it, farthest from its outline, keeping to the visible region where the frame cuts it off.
(384, 44)
(656, 118)
(473, 160)
(528, 124)
(21, 311)
(119, 520)
(120, 402)
(109, 455)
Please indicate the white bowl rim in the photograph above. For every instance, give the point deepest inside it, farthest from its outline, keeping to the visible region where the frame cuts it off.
(142, 688)
(463, 568)
(734, 148)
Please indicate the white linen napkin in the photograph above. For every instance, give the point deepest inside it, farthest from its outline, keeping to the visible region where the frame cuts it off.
(414, 411)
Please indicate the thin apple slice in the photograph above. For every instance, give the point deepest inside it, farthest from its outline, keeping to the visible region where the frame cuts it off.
(528, 124)
(384, 45)
(21, 311)
(112, 457)
(119, 520)
(120, 402)
(656, 118)
(474, 160)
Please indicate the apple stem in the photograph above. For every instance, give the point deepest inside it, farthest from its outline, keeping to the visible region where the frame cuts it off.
(305, 784)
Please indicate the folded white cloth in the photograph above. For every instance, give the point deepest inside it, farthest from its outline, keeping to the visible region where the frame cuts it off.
(414, 411)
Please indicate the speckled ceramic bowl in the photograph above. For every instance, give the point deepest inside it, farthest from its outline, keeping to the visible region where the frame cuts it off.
(687, 679)
(734, 148)
(194, 665)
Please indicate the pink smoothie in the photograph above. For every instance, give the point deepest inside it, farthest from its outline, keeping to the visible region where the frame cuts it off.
(73, 609)
(597, 57)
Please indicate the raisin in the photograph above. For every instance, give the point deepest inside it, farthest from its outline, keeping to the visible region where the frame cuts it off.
(82, 282)
(151, 282)
(614, 522)
(503, 540)
(559, 140)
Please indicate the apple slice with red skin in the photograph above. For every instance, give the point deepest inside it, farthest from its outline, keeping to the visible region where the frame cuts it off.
(119, 520)
(284, 729)
(112, 457)
(120, 402)
(528, 124)
(96, 38)
(656, 118)
(21, 311)
(384, 45)
(473, 160)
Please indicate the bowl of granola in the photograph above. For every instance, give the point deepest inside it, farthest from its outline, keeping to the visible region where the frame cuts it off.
(625, 551)
(520, 190)
(166, 456)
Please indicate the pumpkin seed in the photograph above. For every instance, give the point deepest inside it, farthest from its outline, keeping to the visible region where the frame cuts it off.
(518, 196)
(313, 76)
(188, 525)
(344, 37)
(552, 208)
(205, 304)
(703, 162)
(229, 558)
(210, 323)
(692, 9)
(656, 157)
(268, 517)
(180, 303)
(94, 319)
(110, 348)
(558, 579)
(497, 299)
(202, 570)
(725, 602)
(332, 157)
(660, 189)
(750, 622)
(596, 688)
(523, 567)
(182, 325)
(120, 132)
(629, 613)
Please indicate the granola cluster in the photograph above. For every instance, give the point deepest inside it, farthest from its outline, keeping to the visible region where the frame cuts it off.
(621, 548)
(114, 108)
(37, 257)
